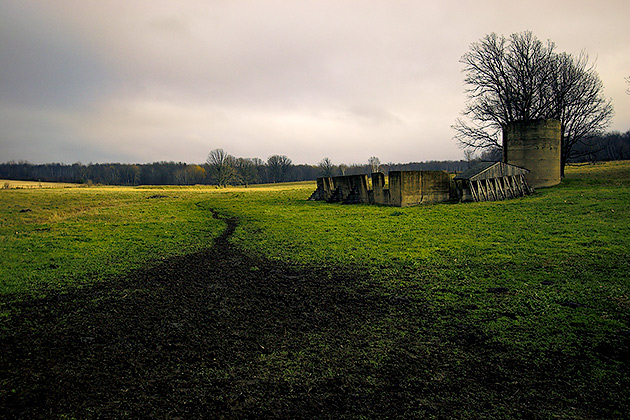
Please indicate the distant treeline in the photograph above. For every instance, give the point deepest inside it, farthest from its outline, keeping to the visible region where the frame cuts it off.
(611, 146)
(172, 173)
(157, 173)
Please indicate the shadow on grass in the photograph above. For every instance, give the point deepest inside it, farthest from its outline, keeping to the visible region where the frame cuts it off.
(220, 334)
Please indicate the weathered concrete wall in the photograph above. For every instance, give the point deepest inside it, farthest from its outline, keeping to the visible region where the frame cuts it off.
(411, 183)
(406, 188)
(395, 188)
(464, 192)
(324, 189)
(436, 186)
(380, 193)
(329, 187)
(350, 188)
(410, 188)
(534, 145)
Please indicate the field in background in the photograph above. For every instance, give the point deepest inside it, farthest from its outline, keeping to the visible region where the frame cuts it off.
(538, 286)
(11, 184)
(51, 238)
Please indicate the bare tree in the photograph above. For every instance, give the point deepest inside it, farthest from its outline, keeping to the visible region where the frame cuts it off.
(628, 82)
(578, 102)
(343, 168)
(279, 167)
(246, 170)
(326, 166)
(521, 78)
(469, 155)
(504, 79)
(221, 167)
(374, 164)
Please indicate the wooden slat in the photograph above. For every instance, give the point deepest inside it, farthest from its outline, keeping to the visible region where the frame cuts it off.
(500, 190)
(475, 190)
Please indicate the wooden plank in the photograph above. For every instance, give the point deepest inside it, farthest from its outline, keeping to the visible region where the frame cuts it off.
(487, 189)
(511, 188)
(499, 182)
(482, 190)
(517, 187)
(495, 189)
(492, 195)
(473, 191)
(522, 185)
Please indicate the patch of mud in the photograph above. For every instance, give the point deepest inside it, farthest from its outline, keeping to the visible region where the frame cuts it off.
(150, 345)
(220, 334)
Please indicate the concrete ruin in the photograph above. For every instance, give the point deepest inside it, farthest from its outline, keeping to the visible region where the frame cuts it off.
(404, 189)
(491, 181)
(351, 189)
(410, 188)
(531, 159)
(535, 145)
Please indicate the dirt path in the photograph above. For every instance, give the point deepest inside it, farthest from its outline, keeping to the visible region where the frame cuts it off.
(177, 340)
(220, 334)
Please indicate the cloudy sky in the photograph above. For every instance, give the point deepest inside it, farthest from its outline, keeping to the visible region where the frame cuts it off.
(150, 80)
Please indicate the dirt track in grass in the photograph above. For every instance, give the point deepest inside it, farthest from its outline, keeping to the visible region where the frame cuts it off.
(220, 334)
(175, 341)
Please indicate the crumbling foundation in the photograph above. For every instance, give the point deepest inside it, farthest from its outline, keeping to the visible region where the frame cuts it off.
(406, 188)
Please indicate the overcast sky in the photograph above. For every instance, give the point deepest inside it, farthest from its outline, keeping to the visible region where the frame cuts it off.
(143, 81)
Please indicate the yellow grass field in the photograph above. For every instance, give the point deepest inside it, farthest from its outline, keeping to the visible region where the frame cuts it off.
(10, 184)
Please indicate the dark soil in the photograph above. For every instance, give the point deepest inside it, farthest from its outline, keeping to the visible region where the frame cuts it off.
(146, 346)
(189, 339)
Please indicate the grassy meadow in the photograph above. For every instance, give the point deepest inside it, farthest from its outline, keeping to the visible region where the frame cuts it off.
(534, 292)
(53, 238)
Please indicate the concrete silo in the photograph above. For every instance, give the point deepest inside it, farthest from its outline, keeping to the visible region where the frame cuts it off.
(534, 145)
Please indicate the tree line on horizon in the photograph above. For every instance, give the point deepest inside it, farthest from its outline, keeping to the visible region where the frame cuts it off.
(246, 171)
(277, 168)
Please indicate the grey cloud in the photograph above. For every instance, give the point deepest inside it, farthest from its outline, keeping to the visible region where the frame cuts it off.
(43, 65)
(172, 80)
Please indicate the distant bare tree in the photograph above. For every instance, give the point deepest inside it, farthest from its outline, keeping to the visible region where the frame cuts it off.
(221, 167)
(326, 166)
(628, 82)
(491, 155)
(246, 170)
(343, 168)
(469, 155)
(374, 164)
(279, 167)
(520, 78)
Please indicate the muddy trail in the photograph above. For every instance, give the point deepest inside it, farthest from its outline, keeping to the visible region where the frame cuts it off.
(174, 341)
(220, 334)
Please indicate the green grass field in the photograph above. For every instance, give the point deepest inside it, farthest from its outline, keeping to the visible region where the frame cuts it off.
(538, 285)
(51, 238)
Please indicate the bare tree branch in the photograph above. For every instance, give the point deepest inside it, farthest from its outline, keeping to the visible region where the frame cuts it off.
(279, 167)
(221, 167)
(521, 78)
(327, 167)
(374, 163)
